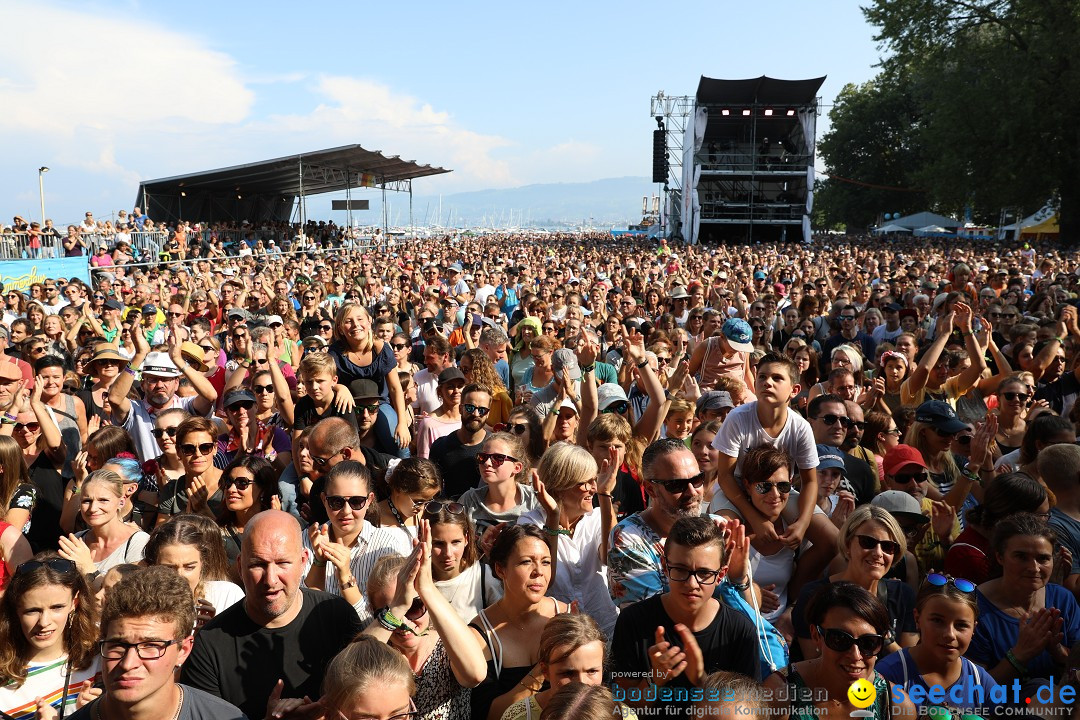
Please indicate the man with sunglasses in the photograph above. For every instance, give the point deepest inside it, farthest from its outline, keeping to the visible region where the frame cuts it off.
(281, 631)
(145, 636)
(455, 454)
(673, 640)
(829, 420)
(905, 470)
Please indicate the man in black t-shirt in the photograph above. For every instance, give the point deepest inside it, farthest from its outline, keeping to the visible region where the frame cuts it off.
(455, 454)
(280, 631)
(674, 640)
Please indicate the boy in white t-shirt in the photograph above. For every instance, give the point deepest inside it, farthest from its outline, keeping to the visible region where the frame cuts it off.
(769, 421)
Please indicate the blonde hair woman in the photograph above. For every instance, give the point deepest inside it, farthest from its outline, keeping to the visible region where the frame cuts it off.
(108, 541)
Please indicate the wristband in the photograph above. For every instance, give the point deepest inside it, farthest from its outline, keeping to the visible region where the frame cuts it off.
(1017, 665)
(386, 618)
(318, 563)
(642, 364)
(607, 495)
(351, 583)
(740, 586)
(588, 368)
(1061, 340)
(555, 532)
(131, 372)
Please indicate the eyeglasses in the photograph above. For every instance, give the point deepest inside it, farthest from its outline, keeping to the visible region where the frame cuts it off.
(471, 409)
(764, 488)
(847, 317)
(911, 531)
(371, 408)
(149, 650)
(1013, 396)
(203, 448)
(619, 407)
(176, 314)
(831, 419)
(262, 389)
(677, 485)
(261, 361)
(434, 507)
(961, 584)
(241, 484)
(29, 427)
(59, 565)
(866, 542)
(840, 641)
(518, 428)
(496, 459)
(704, 576)
(398, 347)
(337, 502)
(38, 349)
(162, 432)
(242, 404)
(662, 360)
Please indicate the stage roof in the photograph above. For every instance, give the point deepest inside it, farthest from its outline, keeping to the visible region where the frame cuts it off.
(758, 91)
(324, 171)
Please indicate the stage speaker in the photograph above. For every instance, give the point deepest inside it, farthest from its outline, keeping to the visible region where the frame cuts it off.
(659, 156)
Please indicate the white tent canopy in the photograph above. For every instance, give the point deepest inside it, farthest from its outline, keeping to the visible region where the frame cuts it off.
(931, 230)
(891, 229)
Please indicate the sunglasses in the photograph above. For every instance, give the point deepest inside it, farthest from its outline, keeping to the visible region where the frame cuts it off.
(831, 419)
(30, 426)
(59, 565)
(1013, 396)
(398, 347)
(518, 428)
(869, 543)
(189, 449)
(496, 459)
(326, 328)
(961, 584)
(241, 484)
(944, 433)
(371, 408)
(840, 641)
(434, 507)
(677, 485)
(618, 408)
(907, 479)
(337, 502)
(764, 488)
(471, 409)
(964, 439)
(262, 389)
(162, 432)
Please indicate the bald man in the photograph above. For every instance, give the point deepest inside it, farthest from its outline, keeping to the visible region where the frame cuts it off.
(280, 631)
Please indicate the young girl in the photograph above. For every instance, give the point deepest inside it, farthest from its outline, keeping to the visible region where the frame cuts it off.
(413, 483)
(48, 634)
(466, 583)
(679, 419)
(504, 495)
(706, 455)
(946, 613)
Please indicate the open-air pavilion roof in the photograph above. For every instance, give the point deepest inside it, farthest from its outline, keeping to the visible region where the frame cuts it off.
(758, 91)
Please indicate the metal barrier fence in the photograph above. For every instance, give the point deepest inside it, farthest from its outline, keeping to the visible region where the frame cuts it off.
(24, 246)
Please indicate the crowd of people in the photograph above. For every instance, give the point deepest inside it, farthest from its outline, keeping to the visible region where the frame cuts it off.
(541, 476)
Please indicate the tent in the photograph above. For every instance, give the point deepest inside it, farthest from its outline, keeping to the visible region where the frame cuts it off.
(923, 219)
(891, 229)
(932, 230)
(1049, 226)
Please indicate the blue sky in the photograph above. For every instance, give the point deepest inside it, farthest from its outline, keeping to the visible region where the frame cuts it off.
(503, 94)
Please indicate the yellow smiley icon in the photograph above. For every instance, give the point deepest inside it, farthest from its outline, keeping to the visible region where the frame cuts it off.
(862, 693)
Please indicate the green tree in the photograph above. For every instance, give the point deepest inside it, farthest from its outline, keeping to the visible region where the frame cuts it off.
(997, 84)
(870, 153)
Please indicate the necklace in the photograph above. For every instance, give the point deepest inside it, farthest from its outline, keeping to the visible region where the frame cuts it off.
(179, 706)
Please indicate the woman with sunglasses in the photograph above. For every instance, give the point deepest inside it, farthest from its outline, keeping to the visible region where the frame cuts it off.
(872, 542)
(103, 368)
(417, 621)
(250, 486)
(48, 638)
(946, 613)
(413, 483)
(526, 424)
(848, 632)
(932, 436)
(166, 467)
(199, 490)
(478, 369)
(192, 546)
(402, 348)
(1026, 623)
(505, 494)
(108, 540)
(1012, 406)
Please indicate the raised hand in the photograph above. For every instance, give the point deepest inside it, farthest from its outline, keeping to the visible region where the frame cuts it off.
(74, 549)
(694, 662)
(609, 470)
(667, 661)
(197, 495)
(543, 496)
(942, 516)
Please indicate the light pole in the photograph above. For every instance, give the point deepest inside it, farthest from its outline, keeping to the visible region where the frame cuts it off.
(41, 191)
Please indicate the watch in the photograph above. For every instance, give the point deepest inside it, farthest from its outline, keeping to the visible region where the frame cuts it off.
(351, 583)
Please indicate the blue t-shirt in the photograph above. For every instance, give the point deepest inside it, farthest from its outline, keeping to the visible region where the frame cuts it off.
(899, 668)
(1069, 532)
(997, 632)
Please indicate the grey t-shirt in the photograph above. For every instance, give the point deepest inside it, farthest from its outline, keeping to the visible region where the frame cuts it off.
(198, 705)
(484, 517)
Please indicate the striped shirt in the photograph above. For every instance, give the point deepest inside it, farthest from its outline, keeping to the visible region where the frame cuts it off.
(46, 680)
(371, 544)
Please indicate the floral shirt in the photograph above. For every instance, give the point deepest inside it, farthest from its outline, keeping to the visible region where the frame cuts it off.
(634, 567)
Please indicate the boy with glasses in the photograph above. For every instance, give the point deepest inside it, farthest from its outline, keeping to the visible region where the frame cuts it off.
(674, 640)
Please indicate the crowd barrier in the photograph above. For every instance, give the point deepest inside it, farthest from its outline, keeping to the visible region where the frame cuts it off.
(23, 246)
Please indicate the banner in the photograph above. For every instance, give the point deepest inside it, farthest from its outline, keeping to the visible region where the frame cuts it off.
(367, 180)
(21, 274)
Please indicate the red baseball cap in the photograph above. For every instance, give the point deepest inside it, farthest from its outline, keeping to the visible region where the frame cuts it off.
(901, 456)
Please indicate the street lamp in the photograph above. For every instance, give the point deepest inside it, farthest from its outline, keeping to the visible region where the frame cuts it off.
(41, 191)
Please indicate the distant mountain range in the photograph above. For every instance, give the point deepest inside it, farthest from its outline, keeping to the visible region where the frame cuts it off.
(600, 203)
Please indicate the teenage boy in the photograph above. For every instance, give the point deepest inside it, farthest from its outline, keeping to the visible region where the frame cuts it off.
(769, 421)
(319, 374)
(676, 639)
(145, 636)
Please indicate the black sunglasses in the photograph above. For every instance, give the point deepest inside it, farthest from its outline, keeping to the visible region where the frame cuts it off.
(764, 488)
(241, 484)
(840, 641)
(677, 485)
(496, 459)
(619, 407)
(1011, 396)
(866, 542)
(261, 389)
(59, 565)
(518, 428)
(161, 432)
(203, 448)
(337, 502)
(471, 409)
(831, 419)
(245, 404)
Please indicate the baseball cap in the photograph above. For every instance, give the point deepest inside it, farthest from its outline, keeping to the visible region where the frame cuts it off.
(450, 375)
(237, 396)
(900, 505)
(714, 400)
(149, 309)
(902, 456)
(738, 334)
(111, 304)
(830, 457)
(608, 394)
(940, 416)
(758, 275)
(273, 319)
(564, 359)
(364, 389)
